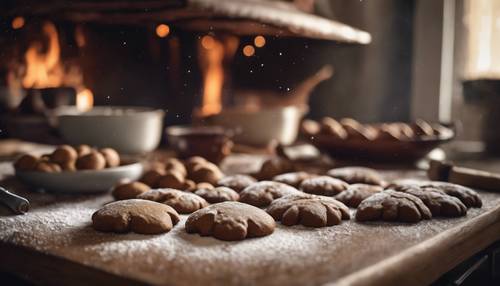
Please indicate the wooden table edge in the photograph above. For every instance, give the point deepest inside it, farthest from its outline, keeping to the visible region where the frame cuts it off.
(418, 265)
(47, 269)
(425, 262)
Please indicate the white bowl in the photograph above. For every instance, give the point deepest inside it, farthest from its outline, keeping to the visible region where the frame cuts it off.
(84, 181)
(129, 130)
(262, 126)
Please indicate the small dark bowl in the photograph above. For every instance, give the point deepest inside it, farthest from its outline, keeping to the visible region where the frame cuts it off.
(210, 142)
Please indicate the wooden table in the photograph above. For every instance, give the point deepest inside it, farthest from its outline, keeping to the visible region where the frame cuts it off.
(55, 244)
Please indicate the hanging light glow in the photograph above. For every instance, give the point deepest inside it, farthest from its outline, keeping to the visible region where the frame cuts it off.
(248, 50)
(259, 41)
(17, 23)
(162, 30)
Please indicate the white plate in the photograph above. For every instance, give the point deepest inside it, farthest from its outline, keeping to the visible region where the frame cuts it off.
(85, 181)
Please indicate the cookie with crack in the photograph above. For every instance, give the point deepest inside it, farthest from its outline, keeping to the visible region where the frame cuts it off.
(438, 202)
(218, 195)
(139, 216)
(230, 221)
(323, 185)
(311, 211)
(182, 202)
(391, 205)
(468, 196)
(236, 182)
(293, 178)
(356, 193)
(357, 175)
(261, 194)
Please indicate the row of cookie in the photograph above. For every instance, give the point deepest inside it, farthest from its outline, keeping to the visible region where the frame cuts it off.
(348, 128)
(182, 175)
(68, 158)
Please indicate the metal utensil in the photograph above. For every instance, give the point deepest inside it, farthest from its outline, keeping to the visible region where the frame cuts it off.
(17, 204)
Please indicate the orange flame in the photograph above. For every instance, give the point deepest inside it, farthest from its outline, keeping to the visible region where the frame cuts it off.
(84, 100)
(212, 55)
(44, 69)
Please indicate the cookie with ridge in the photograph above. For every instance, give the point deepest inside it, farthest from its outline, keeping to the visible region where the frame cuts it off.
(134, 215)
(129, 190)
(218, 195)
(356, 193)
(261, 194)
(438, 202)
(391, 205)
(323, 185)
(230, 221)
(311, 211)
(182, 202)
(332, 127)
(293, 178)
(357, 175)
(236, 182)
(468, 196)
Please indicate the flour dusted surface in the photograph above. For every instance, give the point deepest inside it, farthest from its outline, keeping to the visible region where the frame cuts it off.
(61, 225)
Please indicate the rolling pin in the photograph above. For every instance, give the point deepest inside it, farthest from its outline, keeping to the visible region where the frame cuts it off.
(473, 178)
(17, 204)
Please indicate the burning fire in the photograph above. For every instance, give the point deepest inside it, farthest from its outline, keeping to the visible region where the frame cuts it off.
(214, 52)
(44, 69)
(212, 55)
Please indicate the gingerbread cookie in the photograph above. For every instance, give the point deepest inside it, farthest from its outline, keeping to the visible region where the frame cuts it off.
(356, 193)
(236, 182)
(152, 177)
(138, 216)
(261, 194)
(438, 202)
(230, 221)
(175, 164)
(323, 185)
(217, 195)
(293, 178)
(206, 172)
(332, 127)
(273, 167)
(182, 202)
(129, 190)
(392, 206)
(311, 211)
(172, 179)
(468, 196)
(357, 175)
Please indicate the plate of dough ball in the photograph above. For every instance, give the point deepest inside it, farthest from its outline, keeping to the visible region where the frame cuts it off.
(392, 141)
(76, 169)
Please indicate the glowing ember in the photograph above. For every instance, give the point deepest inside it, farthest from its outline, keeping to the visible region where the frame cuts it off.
(248, 50)
(162, 30)
(259, 41)
(17, 23)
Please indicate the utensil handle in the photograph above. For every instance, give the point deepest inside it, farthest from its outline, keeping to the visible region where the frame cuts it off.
(17, 204)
